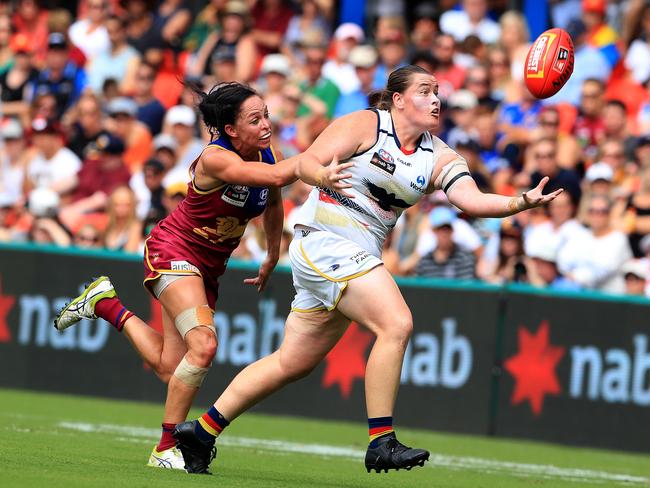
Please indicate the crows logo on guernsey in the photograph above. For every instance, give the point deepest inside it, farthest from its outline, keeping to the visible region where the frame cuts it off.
(385, 200)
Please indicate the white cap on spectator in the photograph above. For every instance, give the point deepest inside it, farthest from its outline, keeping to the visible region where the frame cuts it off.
(546, 251)
(181, 114)
(599, 171)
(349, 30)
(122, 105)
(637, 267)
(363, 56)
(463, 99)
(164, 141)
(6, 200)
(275, 63)
(43, 202)
(11, 129)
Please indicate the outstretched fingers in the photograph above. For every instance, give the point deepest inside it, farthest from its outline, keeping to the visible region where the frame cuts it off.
(338, 177)
(552, 195)
(542, 183)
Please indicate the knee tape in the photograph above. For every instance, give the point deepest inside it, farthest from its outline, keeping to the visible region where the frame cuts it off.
(189, 374)
(191, 318)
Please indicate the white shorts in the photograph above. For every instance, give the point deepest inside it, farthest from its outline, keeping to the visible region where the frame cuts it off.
(161, 283)
(322, 264)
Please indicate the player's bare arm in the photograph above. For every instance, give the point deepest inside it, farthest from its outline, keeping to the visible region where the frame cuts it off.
(452, 175)
(351, 134)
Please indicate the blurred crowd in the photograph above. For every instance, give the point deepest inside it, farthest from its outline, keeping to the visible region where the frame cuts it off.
(98, 129)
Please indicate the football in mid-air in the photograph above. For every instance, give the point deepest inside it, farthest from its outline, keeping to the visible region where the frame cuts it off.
(549, 63)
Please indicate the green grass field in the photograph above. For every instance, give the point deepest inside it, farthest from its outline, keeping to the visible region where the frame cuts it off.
(64, 441)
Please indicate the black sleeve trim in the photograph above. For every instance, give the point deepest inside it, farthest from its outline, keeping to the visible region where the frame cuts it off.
(454, 179)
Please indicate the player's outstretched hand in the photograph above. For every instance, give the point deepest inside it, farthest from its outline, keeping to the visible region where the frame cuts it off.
(536, 198)
(266, 268)
(333, 176)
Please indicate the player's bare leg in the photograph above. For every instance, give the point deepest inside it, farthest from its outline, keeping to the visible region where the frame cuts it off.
(307, 339)
(392, 324)
(161, 352)
(185, 300)
(200, 343)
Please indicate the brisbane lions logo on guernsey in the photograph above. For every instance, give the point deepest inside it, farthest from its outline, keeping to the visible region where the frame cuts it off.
(236, 195)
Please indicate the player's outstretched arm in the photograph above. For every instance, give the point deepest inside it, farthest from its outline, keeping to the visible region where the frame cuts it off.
(227, 166)
(344, 137)
(465, 195)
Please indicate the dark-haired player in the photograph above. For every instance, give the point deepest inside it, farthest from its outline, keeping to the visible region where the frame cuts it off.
(235, 179)
(336, 260)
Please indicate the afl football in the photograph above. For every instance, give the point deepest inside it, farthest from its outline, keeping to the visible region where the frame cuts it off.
(549, 63)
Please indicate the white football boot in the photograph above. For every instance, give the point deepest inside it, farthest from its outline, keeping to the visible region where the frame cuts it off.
(83, 307)
(168, 459)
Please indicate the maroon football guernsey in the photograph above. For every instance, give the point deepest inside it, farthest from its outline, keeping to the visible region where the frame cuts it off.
(206, 227)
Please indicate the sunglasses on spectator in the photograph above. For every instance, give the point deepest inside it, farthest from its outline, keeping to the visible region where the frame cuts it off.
(598, 211)
(633, 277)
(545, 155)
(590, 95)
(87, 238)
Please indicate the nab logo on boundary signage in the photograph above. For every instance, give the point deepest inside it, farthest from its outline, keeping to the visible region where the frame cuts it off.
(611, 375)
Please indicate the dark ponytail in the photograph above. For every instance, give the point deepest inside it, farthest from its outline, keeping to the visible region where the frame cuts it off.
(398, 82)
(220, 106)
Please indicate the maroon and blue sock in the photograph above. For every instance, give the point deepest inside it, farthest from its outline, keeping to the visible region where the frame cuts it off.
(113, 312)
(211, 424)
(167, 441)
(379, 427)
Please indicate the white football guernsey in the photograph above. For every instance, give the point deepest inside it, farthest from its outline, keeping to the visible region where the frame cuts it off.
(386, 180)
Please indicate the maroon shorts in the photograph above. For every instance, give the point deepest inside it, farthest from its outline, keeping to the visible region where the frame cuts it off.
(164, 253)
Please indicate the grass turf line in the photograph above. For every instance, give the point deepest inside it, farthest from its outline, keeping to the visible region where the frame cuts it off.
(37, 451)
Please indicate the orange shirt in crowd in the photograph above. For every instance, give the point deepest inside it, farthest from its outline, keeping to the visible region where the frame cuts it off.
(139, 147)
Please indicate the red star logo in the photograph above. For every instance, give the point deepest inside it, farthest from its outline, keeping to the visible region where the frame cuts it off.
(533, 368)
(6, 304)
(347, 361)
